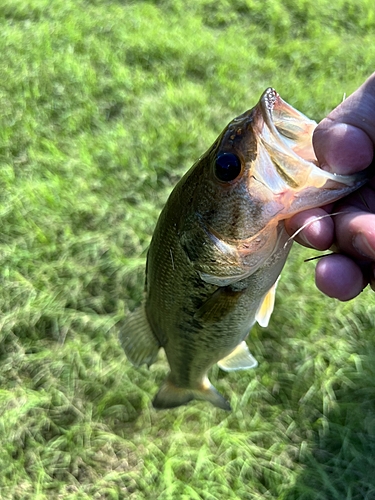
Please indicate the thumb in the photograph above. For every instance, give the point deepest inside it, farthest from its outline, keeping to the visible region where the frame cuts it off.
(344, 140)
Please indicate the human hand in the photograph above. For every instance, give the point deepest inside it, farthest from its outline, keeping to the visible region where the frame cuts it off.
(344, 143)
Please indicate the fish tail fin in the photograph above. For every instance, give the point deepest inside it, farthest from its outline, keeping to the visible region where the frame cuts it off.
(171, 396)
(137, 338)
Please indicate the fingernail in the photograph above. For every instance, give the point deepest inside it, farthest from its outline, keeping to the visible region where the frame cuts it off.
(361, 244)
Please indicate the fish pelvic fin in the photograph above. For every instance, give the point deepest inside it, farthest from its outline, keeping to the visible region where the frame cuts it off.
(171, 396)
(137, 338)
(239, 359)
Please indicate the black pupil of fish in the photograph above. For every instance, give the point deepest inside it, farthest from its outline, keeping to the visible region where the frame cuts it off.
(227, 167)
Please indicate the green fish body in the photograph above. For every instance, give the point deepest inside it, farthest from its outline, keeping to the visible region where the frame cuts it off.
(219, 247)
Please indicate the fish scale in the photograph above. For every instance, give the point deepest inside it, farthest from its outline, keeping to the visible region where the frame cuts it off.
(219, 247)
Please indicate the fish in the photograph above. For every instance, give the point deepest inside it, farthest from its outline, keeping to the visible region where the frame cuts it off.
(220, 245)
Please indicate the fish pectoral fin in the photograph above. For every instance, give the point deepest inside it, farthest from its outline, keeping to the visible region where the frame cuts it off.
(218, 305)
(265, 308)
(171, 396)
(138, 339)
(239, 359)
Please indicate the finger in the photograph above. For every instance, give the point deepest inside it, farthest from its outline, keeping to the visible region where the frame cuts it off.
(342, 148)
(344, 141)
(318, 232)
(339, 277)
(363, 200)
(355, 234)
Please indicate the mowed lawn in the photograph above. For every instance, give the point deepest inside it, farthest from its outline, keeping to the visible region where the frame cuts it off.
(104, 104)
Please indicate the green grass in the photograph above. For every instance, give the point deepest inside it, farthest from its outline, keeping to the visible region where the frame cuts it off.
(104, 104)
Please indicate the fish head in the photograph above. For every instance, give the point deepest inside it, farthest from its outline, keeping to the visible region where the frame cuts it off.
(263, 169)
(260, 171)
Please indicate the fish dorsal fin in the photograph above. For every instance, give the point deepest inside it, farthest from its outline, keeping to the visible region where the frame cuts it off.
(265, 309)
(138, 339)
(239, 359)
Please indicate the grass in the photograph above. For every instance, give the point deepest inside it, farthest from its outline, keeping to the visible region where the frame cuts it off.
(104, 104)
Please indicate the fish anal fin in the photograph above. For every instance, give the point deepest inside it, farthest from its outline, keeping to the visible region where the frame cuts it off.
(137, 338)
(171, 396)
(265, 309)
(218, 305)
(239, 359)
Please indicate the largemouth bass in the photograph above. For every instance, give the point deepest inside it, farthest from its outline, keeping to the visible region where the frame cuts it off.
(219, 247)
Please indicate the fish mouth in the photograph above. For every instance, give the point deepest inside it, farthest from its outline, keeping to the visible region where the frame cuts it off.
(286, 126)
(286, 163)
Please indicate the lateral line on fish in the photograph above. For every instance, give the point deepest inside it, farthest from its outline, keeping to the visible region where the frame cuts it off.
(310, 222)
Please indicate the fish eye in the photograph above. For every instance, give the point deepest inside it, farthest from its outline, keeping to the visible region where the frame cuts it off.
(227, 167)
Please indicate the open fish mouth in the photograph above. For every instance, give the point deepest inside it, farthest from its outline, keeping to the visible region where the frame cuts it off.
(287, 125)
(286, 163)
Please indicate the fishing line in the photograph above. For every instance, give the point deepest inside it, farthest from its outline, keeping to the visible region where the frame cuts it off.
(364, 201)
(318, 257)
(310, 222)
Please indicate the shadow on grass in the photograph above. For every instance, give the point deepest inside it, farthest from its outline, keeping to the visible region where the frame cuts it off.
(340, 463)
